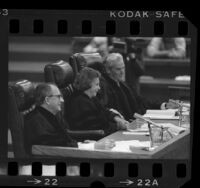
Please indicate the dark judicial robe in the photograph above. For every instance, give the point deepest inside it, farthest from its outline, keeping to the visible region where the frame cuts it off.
(84, 113)
(124, 99)
(41, 127)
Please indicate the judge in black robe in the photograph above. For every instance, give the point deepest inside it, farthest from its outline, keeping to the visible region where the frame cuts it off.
(85, 112)
(44, 128)
(45, 124)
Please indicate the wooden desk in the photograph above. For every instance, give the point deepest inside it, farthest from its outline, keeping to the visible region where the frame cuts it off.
(162, 82)
(176, 148)
(166, 61)
(163, 89)
(166, 68)
(118, 136)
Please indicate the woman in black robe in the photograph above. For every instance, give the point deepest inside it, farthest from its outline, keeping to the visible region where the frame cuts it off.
(84, 111)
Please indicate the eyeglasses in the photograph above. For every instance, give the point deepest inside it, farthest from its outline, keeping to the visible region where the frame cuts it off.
(59, 96)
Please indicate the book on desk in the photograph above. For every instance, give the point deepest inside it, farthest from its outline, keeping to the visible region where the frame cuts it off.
(161, 114)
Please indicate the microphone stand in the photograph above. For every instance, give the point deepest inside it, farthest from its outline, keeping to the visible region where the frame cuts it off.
(180, 115)
(150, 134)
(149, 122)
(180, 109)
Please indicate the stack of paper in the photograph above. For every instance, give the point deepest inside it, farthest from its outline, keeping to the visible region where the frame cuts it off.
(138, 131)
(183, 78)
(161, 114)
(87, 146)
(186, 105)
(171, 127)
(124, 146)
(120, 146)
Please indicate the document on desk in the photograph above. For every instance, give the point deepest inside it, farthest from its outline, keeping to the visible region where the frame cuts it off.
(143, 130)
(186, 107)
(135, 133)
(87, 146)
(138, 131)
(120, 146)
(124, 146)
(171, 127)
(161, 114)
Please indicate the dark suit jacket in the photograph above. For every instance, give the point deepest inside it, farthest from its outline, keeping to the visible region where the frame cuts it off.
(43, 128)
(124, 99)
(84, 113)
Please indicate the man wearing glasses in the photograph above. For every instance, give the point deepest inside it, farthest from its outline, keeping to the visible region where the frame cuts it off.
(45, 125)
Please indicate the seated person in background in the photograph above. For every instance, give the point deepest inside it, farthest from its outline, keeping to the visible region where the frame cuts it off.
(45, 125)
(84, 110)
(119, 95)
(167, 47)
(97, 44)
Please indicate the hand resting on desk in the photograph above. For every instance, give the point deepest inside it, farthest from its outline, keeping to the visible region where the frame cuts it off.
(137, 123)
(121, 123)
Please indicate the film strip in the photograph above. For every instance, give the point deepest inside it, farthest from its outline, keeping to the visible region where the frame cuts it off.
(35, 41)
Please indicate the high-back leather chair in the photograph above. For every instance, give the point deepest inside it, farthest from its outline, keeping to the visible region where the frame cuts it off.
(62, 75)
(81, 60)
(20, 102)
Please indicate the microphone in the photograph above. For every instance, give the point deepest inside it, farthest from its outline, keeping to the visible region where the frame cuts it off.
(180, 105)
(136, 115)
